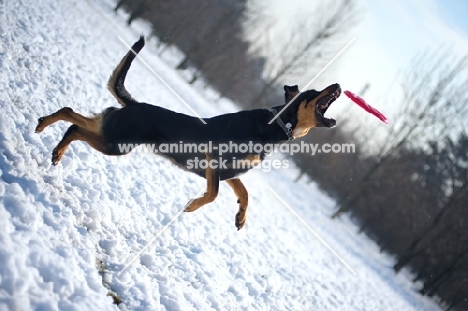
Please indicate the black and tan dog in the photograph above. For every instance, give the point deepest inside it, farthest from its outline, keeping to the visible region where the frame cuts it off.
(141, 123)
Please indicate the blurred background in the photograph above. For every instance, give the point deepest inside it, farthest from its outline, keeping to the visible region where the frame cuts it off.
(406, 186)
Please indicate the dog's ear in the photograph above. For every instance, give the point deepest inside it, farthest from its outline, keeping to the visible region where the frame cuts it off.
(290, 92)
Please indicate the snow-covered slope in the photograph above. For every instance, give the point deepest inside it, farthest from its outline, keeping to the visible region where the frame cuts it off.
(66, 232)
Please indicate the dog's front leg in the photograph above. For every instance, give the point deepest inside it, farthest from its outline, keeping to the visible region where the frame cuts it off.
(212, 180)
(243, 200)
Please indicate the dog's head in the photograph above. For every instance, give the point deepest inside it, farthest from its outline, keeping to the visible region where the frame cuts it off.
(310, 106)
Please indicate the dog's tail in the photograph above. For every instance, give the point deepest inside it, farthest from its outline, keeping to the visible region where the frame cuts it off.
(117, 79)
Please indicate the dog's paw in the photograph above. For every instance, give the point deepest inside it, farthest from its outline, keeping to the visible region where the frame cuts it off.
(40, 125)
(56, 156)
(241, 218)
(191, 206)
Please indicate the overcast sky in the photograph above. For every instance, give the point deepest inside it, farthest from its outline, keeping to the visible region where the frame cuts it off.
(390, 34)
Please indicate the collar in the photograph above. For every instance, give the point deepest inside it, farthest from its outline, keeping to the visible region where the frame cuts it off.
(287, 128)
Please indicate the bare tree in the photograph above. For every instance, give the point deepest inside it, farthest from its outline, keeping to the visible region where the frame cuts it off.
(434, 94)
(306, 45)
(455, 187)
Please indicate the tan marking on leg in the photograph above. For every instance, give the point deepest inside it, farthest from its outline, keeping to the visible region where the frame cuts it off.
(243, 200)
(75, 132)
(212, 180)
(92, 124)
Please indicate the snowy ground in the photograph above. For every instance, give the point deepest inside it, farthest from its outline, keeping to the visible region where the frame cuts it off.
(61, 225)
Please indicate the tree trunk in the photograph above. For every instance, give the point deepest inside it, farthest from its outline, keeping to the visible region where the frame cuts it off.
(416, 242)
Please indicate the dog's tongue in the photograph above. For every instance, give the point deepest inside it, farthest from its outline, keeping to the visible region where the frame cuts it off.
(362, 103)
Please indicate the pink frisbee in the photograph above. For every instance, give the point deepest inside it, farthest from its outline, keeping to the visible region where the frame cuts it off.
(362, 103)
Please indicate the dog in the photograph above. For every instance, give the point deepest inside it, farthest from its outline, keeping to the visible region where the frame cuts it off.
(141, 123)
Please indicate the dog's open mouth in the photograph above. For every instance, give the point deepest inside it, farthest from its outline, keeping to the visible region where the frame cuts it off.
(325, 102)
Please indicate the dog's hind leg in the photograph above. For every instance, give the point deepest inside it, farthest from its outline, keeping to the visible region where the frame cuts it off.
(92, 124)
(75, 132)
(243, 200)
(212, 180)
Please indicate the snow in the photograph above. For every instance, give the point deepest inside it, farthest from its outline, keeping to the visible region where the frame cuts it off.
(68, 231)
